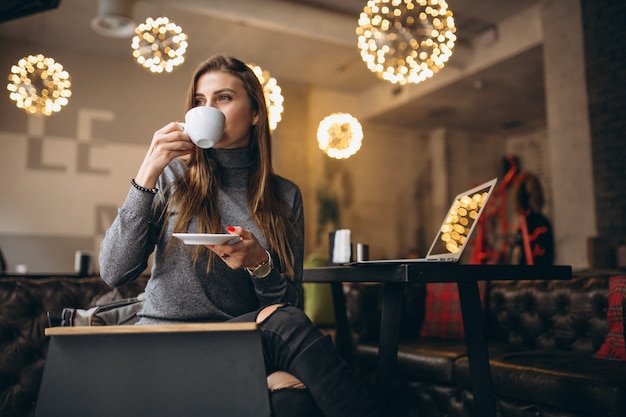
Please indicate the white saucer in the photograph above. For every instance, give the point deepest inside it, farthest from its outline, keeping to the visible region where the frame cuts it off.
(205, 238)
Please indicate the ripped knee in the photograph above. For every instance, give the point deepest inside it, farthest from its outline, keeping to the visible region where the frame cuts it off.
(266, 312)
(282, 380)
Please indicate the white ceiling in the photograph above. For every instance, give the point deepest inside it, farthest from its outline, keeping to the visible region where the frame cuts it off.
(313, 41)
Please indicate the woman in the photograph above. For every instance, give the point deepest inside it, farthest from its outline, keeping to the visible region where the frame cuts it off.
(230, 187)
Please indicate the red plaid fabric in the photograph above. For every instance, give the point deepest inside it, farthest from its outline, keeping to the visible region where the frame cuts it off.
(442, 317)
(613, 347)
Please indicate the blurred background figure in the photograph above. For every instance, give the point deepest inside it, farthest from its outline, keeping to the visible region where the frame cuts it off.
(535, 241)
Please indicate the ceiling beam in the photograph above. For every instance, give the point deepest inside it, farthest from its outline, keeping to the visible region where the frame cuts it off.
(289, 18)
(14, 9)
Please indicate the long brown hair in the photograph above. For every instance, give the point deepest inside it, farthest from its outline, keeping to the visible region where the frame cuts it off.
(196, 192)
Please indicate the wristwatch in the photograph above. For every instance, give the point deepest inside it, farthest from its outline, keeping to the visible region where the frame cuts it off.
(263, 269)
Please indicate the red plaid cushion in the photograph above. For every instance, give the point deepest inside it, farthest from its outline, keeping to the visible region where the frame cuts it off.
(442, 317)
(613, 347)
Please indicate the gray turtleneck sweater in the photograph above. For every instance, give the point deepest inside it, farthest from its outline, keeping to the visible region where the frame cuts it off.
(178, 291)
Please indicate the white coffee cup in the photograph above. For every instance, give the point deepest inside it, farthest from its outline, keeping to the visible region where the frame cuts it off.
(204, 125)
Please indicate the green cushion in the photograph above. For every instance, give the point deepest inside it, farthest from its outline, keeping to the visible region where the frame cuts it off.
(318, 298)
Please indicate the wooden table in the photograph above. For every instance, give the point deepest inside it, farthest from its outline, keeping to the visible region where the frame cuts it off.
(395, 277)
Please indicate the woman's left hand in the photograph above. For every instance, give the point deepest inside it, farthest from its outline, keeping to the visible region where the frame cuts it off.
(246, 253)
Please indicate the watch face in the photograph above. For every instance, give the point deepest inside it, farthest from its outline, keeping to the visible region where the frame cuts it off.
(262, 271)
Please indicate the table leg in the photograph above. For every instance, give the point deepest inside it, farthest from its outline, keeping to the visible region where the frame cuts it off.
(388, 343)
(343, 340)
(477, 354)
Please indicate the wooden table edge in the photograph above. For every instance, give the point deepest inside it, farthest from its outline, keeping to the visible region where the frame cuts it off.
(156, 328)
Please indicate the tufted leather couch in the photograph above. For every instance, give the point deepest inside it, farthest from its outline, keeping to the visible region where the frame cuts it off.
(24, 303)
(542, 337)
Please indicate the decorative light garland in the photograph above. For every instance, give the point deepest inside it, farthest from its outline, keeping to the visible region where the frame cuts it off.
(39, 85)
(406, 41)
(339, 135)
(273, 96)
(159, 45)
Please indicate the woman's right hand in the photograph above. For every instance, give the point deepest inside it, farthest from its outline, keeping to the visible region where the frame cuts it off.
(168, 143)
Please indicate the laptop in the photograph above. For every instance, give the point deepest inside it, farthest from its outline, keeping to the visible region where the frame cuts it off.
(190, 370)
(456, 229)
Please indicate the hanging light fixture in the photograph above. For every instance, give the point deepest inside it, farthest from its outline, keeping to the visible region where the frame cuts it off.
(273, 96)
(340, 135)
(159, 45)
(406, 41)
(114, 18)
(39, 85)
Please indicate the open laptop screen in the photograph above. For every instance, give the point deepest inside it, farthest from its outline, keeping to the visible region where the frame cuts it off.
(460, 221)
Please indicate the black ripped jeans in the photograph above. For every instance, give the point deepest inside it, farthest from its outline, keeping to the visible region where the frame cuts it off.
(292, 343)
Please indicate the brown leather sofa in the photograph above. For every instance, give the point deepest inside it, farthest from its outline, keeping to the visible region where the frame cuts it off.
(24, 304)
(542, 337)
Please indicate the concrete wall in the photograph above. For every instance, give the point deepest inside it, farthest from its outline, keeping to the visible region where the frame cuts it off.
(569, 138)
